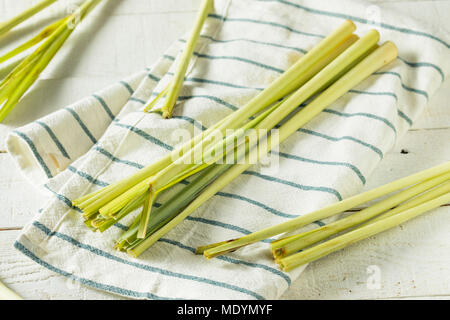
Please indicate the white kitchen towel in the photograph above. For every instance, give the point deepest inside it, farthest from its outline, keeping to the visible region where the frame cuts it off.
(245, 45)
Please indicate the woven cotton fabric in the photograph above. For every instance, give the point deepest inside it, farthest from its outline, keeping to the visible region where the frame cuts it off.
(244, 46)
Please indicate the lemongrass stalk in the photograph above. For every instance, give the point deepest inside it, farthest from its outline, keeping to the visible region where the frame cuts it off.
(6, 69)
(210, 191)
(160, 95)
(162, 180)
(308, 74)
(13, 22)
(10, 83)
(45, 53)
(334, 68)
(429, 195)
(220, 150)
(377, 59)
(294, 77)
(201, 249)
(130, 235)
(104, 224)
(45, 33)
(19, 71)
(172, 206)
(343, 61)
(328, 211)
(145, 216)
(121, 201)
(177, 81)
(32, 76)
(330, 246)
(302, 240)
(94, 201)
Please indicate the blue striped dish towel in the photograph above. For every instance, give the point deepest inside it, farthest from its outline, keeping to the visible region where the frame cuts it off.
(245, 45)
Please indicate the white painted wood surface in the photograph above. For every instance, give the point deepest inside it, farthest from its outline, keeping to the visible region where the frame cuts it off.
(413, 260)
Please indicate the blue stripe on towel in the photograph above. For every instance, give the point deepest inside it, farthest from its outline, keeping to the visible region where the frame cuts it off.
(54, 138)
(408, 63)
(82, 125)
(104, 105)
(97, 285)
(145, 267)
(127, 86)
(35, 152)
(361, 20)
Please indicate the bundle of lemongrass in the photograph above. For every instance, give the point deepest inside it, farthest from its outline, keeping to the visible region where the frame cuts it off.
(27, 71)
(414, 195)
(333, 67)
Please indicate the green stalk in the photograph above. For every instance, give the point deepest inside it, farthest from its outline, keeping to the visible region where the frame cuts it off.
(177, 81)
(8, 294)
(294, 77)
(13, 22)
(333, 209)
(171, 208)
(92, 202)
(32, 76)
(144, 219)
(45, 33)
(429, 195)
(40, 59)
(7, 69)
(343, 61)
(102, 224)
(341, 64)
(12, 81)
(377, 59)
(323, 249)
(303, 240)
(162, 180)
(145, 216)
(380, 57)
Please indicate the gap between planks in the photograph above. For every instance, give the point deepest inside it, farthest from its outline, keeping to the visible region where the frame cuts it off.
(11, 229)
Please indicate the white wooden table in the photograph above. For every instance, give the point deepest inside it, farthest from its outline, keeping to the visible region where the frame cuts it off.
(411, 261)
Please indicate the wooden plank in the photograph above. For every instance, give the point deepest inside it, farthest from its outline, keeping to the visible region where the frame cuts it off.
(416, 151)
